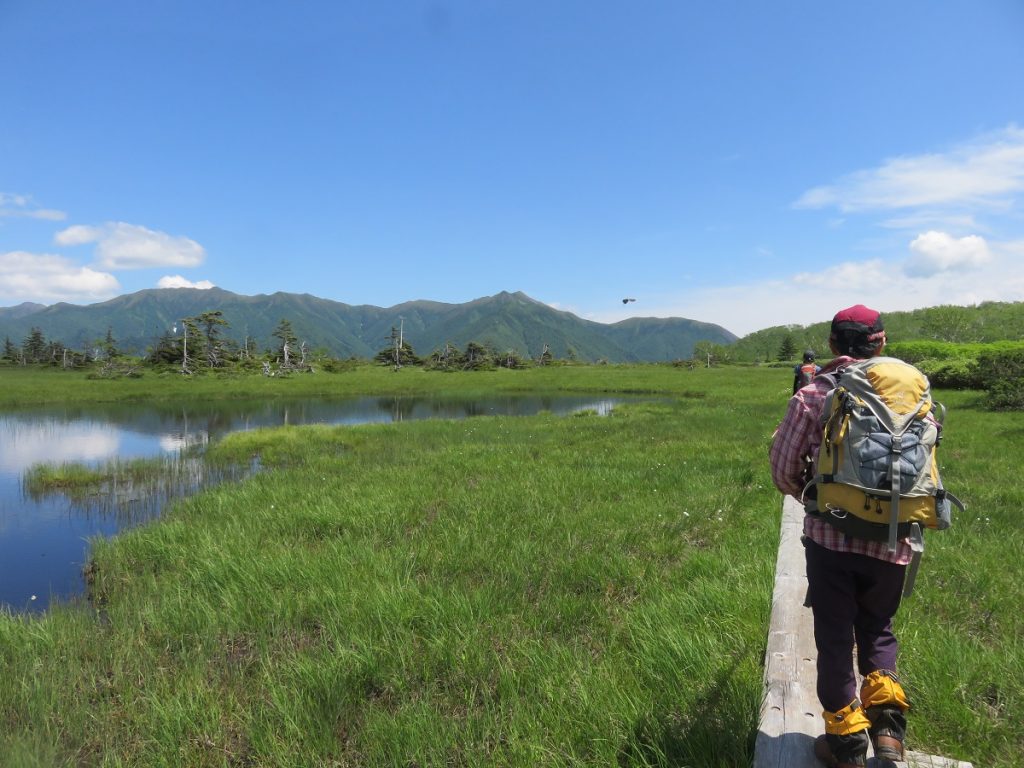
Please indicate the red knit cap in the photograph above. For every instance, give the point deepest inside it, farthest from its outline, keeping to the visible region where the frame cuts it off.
(857, 318)
(860, 320)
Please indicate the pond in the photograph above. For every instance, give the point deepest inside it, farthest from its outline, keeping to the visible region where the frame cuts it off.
(44, 535)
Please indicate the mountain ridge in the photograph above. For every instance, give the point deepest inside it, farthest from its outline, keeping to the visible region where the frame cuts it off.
(506, 321)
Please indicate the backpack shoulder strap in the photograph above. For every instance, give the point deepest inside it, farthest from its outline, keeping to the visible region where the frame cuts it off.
(832, 376)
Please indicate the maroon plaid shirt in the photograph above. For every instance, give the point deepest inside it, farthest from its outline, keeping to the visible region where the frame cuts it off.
(795, 447)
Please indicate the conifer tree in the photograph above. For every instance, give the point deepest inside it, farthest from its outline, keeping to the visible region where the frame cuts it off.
(34, 346)
(10, 351)
(286, 336)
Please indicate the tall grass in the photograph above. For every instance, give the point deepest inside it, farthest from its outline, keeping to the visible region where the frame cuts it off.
(522, 591)
(963, 631)
(23, 386)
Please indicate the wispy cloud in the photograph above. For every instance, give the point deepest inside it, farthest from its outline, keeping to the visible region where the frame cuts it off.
(177, 281)
(47, 277)
(918, 221)
(983, 172)
(23, 207)
(942, 201)
(936, 269)
(129, 246)
(940, 270)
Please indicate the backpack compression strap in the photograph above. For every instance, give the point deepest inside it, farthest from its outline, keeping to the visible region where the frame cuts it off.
(894, 498)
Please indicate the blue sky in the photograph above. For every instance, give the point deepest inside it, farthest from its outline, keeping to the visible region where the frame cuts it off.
(744, 163)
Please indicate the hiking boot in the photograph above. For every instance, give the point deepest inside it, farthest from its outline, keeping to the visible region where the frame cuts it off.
(887, 748)
(886, 706)
(842, 751)
(888, 727)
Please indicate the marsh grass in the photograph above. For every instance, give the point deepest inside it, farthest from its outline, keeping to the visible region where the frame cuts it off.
(86, 478)
(25, 386)
(529, 591)
(132, 490)
(963, 631)
(43, 478)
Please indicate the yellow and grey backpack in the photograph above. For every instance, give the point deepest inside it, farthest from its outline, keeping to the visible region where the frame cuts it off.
(876, 476)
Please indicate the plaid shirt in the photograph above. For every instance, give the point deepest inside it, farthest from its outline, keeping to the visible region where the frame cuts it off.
(795, 447)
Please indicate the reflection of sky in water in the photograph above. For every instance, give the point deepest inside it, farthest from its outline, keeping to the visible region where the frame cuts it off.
(179, 441)
(43, 542)
(52, 442)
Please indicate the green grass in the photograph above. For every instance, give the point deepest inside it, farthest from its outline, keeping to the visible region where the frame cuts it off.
(962, 632)
(79, 478)
(548, 591)
(25, 386)
(71, 477)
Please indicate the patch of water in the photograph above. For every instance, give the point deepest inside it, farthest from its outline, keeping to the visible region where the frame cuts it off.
(44, 536)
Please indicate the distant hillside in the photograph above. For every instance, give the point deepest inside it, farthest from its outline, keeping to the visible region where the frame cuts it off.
(22, 310)
(506, 321)
(989, 321)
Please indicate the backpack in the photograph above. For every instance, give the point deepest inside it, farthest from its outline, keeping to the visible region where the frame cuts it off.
(876, 476)
(805, 373)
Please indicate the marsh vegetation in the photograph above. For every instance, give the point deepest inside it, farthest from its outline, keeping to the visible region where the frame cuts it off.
(542, 590)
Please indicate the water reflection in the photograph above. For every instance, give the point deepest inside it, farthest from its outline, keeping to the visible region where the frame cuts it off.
(44, 535)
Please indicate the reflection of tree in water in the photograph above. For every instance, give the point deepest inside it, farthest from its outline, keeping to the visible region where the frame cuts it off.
(399, 408)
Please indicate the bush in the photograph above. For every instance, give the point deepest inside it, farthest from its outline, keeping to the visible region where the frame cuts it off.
(1003, 374)
(918, 352)
(951, 374)
(334, 365)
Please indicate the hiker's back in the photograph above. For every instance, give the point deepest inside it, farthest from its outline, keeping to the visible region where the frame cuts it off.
(805, 372)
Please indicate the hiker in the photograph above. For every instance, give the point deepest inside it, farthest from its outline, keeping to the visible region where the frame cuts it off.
(854, 585)
(805, 371)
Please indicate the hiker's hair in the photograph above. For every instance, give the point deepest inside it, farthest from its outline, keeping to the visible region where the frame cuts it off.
(858, 332)
(857, 344)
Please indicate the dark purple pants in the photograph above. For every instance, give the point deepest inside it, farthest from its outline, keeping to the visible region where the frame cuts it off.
(853, 598)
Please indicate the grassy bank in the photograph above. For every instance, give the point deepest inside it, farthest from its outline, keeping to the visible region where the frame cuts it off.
(25, 386)
(497, 591)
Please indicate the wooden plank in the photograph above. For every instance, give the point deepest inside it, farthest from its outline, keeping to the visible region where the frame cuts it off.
(790, 712)
(790, 715)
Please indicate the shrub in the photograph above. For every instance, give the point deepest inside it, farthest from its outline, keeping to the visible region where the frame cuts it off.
(1003, 376)
(917, 352)
(951, 374)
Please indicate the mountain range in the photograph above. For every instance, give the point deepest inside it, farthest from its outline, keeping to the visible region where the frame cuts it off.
(505, 321)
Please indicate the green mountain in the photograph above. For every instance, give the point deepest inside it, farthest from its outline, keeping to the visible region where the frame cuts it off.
(506, 321)
(21, 310)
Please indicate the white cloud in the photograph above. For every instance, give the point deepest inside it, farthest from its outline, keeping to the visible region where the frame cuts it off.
(22, 207)
(852, 275)
(177, 281)
(129, 246)
(924, 220)
(935, 252)
(78, 235)
(810, 297)
(980, 172)
(46, 277)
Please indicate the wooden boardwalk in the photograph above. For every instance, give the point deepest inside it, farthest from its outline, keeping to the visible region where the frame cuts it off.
(790, 714)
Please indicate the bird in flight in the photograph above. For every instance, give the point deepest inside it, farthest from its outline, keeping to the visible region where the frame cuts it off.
(626, 301)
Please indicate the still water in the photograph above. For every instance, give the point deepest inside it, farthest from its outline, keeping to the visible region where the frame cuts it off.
(44, 537)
